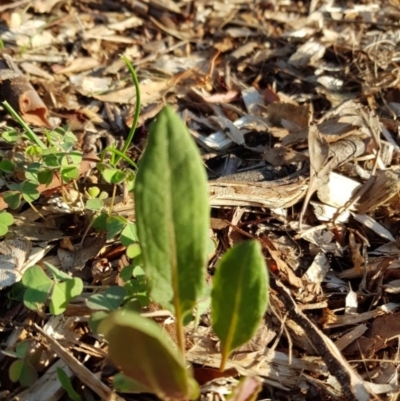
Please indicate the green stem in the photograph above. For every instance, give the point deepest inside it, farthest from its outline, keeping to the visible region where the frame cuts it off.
(119, 153)
(176, 300)
(110, 209)
(37, 211)
(137, 108)
(179, 326)
(28, 131)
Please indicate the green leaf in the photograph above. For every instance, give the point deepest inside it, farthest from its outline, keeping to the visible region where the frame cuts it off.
(14, 371)
(31, 173)
(6, 219)
(22, 349)
(17, 292)
(135, 305)
(93, 192)
(75, 289)
(28, 375)
(33, 138)
(137, 288)
(16, 186)
(12, 198)
(133, 251)
(138, 272)
(67, 385)
(113, 175)
(118, 177)
(124, 384)
(109, 300)
(162, 368)
(71, 158)
(3, 229)
(55, 136)
(172, 214)
(69, 139)
(50, 159)
(103, 195)
(239, 297)
(38, 287)
(100, 222)
(95, 319)
(63, 292)
(33, 150)
(129, 234)
(69, 173)
(23, 372)
(10, 135)
(115, 225)
(126, 273)
(94, 204)
(58, 274)
(29, 191)
(7, 166)
(45, 177)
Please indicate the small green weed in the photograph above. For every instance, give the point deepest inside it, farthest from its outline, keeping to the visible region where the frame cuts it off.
(172, 217)
(41, 289)
(23, 370)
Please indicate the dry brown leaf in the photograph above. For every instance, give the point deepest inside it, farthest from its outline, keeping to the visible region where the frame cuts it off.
(78, 65)
(319, 165)
(299, 115)
(385, 187)
(281, 155)
(20, 94)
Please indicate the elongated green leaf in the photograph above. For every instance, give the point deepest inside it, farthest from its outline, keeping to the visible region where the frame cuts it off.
(67, 385)
(172, 214)
(125, 384)
(239, 297)
(139, 348)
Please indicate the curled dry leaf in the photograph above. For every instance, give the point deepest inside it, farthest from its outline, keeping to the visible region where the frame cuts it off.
(21, 95)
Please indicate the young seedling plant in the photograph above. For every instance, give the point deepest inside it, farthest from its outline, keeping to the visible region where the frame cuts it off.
(57, 291)
(22, 369)
(172, 217)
